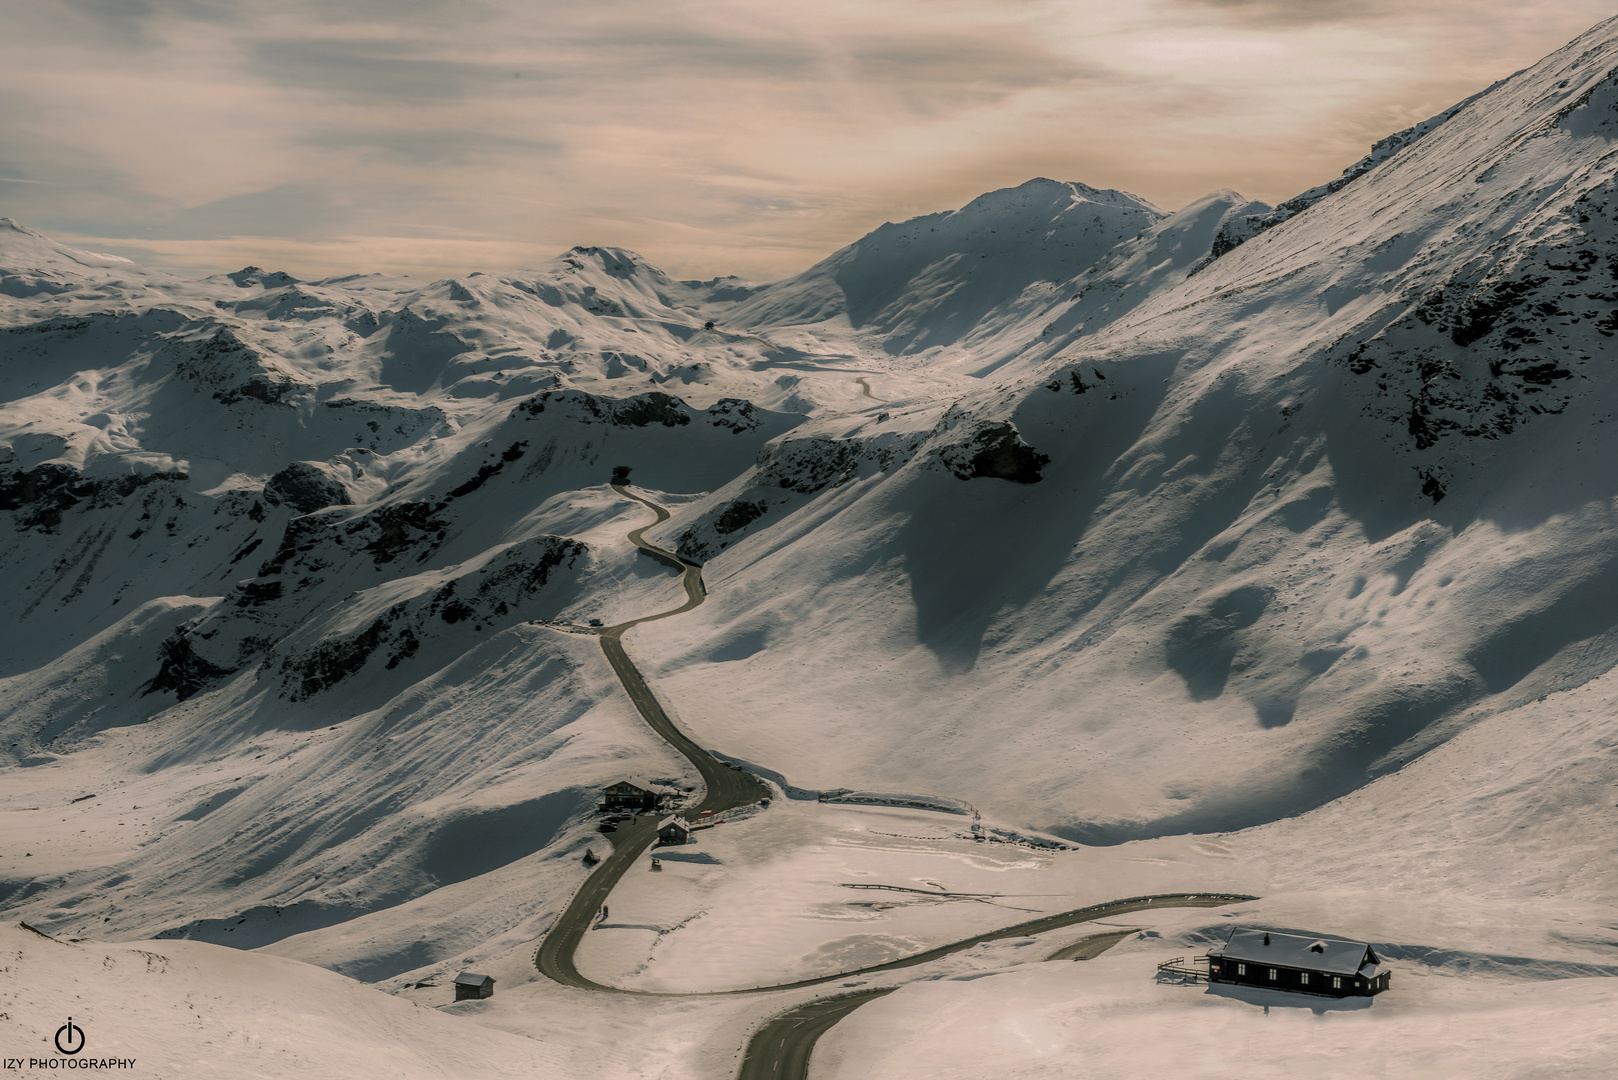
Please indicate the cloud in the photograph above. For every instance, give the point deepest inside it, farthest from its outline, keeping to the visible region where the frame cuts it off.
(935, 58)
(729, 136)
(1292, 13)
(429, 146)
(388, 71)
(129, 26)
(680, 50)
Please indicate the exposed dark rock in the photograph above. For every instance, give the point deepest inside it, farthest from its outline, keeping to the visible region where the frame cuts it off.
(271, 390)
(1431, 488)
(335, 660)
(40, 495)
(997, 451)
(807, 465)
(739, 515)
(248, 276)
(301, 535)
(400, 528)
(182, 670)
(504, 584)
(654, 407)
(251, 547)
(256, 593)
(305, 487)
(738, 414)
(408, 644)
(232, 370)
(512, 453)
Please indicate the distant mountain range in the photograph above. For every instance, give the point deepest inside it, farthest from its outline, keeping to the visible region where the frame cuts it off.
(1113, 522)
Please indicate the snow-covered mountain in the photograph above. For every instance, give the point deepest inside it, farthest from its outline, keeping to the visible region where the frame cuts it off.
(1114, 523)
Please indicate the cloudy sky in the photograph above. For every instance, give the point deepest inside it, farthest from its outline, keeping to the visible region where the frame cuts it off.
(433, 137)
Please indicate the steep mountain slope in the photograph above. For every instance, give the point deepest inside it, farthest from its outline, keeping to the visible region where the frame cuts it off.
(931, 281)
(1315, 508)
(1060, 505)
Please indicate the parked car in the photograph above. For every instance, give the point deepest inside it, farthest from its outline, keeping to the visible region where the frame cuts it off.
(606, 826)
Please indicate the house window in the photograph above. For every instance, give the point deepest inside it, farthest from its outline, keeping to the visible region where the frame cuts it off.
(1304, 978)
(1241, 969)
(1336, 982)
(1272, 974)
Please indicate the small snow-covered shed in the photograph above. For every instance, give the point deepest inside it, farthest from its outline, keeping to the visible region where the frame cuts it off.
(673, 830)
(469, 984)
(632, 793)
(1303, 964)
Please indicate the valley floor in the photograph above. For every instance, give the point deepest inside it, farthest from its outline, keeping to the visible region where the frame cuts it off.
(1493, 976)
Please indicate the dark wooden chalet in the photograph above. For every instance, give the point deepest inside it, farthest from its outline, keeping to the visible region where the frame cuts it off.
(469, 984)
(1299, 963)
(632, 793)
(673, 830)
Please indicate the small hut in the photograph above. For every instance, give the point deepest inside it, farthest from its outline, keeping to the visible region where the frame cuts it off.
(1304, 964)
(673, 830)
(469, 985)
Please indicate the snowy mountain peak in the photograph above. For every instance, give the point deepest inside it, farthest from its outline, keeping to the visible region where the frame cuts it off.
(929, 281)
(249, 276)
(22, 249)
(1059, 196)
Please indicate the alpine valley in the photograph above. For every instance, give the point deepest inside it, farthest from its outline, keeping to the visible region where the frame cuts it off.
(1056, 550)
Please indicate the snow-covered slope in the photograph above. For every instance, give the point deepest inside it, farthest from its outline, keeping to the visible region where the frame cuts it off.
(1109, 522)
(185, 1009)
(933, 280)
(1315, 508)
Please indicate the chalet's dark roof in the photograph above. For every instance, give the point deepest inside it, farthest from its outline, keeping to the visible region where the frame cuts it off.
(472, 978)
(1332, 955)
(636, 782)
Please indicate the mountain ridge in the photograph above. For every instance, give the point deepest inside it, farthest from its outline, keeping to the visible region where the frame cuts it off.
(1069, 514)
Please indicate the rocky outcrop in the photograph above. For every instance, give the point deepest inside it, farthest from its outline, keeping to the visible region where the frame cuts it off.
(41, 495)
(231, 370)
(249, 276)
(993, 450)
(487, 598)
(181, 670)
(637, 411)
(306, 486)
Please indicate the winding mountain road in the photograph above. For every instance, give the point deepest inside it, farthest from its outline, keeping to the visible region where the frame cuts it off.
(725, 787)
(780, 1050)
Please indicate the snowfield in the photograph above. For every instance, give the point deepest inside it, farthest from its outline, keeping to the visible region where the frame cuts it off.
(1251, 549)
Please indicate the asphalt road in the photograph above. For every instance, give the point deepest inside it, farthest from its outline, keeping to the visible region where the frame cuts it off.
(780, 1050)
(1022, 929)
(724, 787)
